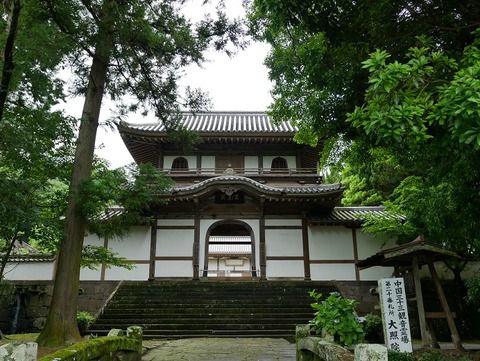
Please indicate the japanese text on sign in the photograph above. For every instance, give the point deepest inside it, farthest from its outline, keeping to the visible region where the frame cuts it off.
(396, 326)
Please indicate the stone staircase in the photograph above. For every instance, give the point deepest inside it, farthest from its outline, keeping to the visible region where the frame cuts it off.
(184, 309)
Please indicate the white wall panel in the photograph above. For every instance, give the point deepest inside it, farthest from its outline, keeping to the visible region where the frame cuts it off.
(174, 242)
(375, 273)
(327, 272)
(135, 245)
(284, 242)
(369, 244)
(291, 160)
(283, 222)
(168, 160)
(252, 163)
(92, 239)
(87, 274)
(330, 242)
(29, 271)
(290, 269)
(140, 272)
(173, 269)
(208, 161)
(176, 222)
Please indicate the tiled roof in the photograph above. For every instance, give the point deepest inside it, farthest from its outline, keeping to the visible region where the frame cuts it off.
(237, 180)
(352, 214)
(234, 249)
(23, 252)
(229, 239)
(220, 122)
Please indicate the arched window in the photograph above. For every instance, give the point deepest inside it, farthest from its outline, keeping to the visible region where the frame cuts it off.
(180, 163)
(279, 163)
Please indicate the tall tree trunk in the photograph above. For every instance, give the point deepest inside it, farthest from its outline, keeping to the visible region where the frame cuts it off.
(6, 255)
(8, 63)
(61, 326)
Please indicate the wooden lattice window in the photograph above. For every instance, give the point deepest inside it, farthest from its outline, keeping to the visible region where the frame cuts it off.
(279, 163)
(180, 163)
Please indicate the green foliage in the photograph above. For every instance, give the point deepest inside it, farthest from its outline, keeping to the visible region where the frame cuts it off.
(336, 316)
(373, 327)
(84, 320)
(400, 356)
(473, 291)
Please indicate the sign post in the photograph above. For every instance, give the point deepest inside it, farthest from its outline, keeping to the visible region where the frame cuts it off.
(396, 325)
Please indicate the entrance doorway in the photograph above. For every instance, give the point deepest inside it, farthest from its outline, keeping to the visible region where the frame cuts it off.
(230, 251)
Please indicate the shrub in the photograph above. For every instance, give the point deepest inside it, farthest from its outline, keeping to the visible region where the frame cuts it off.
(373, 328)
(336, 316)
(84, 320)
(399, 356)
(473, 291)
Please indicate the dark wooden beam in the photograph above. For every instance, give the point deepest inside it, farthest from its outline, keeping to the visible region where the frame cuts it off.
(283, 227)
(153, 250)
(306, 249)
(420, 306)
(263, 250)
(446, 308)
(196, 245)
(355, 252)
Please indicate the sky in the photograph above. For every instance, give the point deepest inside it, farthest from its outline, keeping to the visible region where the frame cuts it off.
(233, 83)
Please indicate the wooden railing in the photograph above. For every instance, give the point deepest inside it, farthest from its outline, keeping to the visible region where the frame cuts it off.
(243, 171)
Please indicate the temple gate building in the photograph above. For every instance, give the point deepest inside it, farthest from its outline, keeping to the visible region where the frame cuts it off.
(247, 203)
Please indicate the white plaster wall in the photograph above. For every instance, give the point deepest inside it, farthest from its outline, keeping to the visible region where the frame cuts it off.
(139, 272)
(375, 273)
(92, 239)
(290, 269)
(135, 245)
(291, 160)
(251, 162)
(283, 222)
(206, 223)
(168, 160)
(284, 242)
(29, 271)
(174, 242)
(173, 269)
(330, 242)
(321, 272)
(87, 274)
(176, 222)
(369, 244)
(208, 161)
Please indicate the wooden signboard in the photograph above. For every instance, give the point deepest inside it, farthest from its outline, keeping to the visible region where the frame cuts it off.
(396, 325)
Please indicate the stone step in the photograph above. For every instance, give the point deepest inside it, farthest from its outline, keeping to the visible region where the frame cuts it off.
(206, 309)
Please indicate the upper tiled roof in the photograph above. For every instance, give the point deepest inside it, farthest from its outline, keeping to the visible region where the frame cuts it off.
(221, 122)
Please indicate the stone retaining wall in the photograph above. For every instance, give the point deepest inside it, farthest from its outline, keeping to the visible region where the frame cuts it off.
(35, 297)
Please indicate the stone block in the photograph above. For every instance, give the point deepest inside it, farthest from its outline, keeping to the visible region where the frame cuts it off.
(19, 352)
(115, 332)
(370, 352)
(302, 331)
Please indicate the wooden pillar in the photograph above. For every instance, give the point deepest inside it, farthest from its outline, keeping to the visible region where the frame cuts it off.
(448, 313)
(159, 156)
(153, 250)
(199, 164)
(306, 250)
(420, 306)
(355, 253)
(104, 267)
(260, 164)
(263, 250)
(196, 244)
